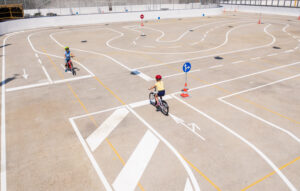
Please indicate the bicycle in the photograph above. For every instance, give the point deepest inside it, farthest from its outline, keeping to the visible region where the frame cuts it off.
(163, 105)
(69, 67)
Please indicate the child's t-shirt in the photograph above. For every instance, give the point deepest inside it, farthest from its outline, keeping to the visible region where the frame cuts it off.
(160, 86)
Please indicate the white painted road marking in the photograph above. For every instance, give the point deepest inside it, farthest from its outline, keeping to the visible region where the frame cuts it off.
(192, 126)
(145, 77)
(274, 54)
(188, 185)
(288, 51)
(91, 157)
(217, 66)
(36, 55)
(256, 58)
(102, 132)
(259, 152)
(237, 62)
(3, 118)
(181, 73)
(133, 170)
(175, 152)
(25, 76)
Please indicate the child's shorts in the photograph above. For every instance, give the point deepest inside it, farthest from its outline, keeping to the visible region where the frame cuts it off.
(161, 93)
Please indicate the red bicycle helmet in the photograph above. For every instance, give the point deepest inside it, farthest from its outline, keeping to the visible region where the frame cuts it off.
(158, 77)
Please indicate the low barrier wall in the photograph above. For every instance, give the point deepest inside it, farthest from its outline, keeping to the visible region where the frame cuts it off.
(289, 11)
(32, 23)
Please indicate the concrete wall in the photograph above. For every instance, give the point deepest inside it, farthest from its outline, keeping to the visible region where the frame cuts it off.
(266, 10)
(32, 23)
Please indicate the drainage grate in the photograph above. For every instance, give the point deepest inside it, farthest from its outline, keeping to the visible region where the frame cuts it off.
(143, 35)
(230, 26)
(84, 41)
(276, 47)
(106, 24)
(219, 58)
(191, 30)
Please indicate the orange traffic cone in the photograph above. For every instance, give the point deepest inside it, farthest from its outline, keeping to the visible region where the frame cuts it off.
(299, 18)
(185, 92)
(259, 22)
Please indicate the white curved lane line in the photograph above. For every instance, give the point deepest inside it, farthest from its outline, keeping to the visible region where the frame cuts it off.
(175, 152)
(259, 152)
(219, 54)
(172, 53)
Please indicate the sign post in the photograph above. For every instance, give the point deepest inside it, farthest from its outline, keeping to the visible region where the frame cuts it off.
(186, 68)
(142, 17)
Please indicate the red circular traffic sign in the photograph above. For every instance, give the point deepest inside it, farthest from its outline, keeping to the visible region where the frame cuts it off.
(142, 16)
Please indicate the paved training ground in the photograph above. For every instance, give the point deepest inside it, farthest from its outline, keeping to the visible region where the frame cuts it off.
(238, 130)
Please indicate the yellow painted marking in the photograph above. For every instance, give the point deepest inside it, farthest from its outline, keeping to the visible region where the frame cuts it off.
(296, 3)
(267, 109)
(268, 175)
(91, 117)
(201, 173)
(110, 91)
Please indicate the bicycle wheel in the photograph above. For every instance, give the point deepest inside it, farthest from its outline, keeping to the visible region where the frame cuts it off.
(152, 98)
(164, 107)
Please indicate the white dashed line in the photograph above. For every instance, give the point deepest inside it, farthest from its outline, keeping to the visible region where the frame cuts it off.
(217, 66)
(274, 54)
(288, 51)
(237, 62)
(256, 58)
(36, 55)
(40, 61)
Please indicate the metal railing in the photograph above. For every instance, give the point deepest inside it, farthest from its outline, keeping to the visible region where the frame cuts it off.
(270, 3)
(152, 4)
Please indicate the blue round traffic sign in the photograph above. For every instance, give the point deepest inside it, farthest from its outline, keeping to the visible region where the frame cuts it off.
(187, 67)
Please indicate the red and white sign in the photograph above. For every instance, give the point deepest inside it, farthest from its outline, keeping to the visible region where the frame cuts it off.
(142, 16)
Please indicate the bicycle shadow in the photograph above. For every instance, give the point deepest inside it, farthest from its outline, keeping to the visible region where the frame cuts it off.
(7, 80)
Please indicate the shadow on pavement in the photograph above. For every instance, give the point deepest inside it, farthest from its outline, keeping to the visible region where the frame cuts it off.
(7, 80)
(5, 45)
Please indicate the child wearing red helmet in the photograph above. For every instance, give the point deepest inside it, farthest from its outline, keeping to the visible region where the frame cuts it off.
(159, 86)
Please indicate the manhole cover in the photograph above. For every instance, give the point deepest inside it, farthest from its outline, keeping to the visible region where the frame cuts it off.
(61, 27)
(143, 35)
(146, 21)
(135, 72)
(276, 47)
(84, 41)
(106, 24)
(230, 26)
(288, 20)
(191, 30)
(219, 58)
(179, 19)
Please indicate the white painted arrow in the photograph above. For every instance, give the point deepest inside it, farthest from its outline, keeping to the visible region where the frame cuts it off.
(25, 75)
(176, 119)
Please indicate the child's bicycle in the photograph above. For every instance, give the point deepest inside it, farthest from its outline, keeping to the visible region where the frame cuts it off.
(69, 67)
(163, 105)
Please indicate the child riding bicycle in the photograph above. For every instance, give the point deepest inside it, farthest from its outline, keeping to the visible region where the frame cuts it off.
(159, 86)
(68, 56)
